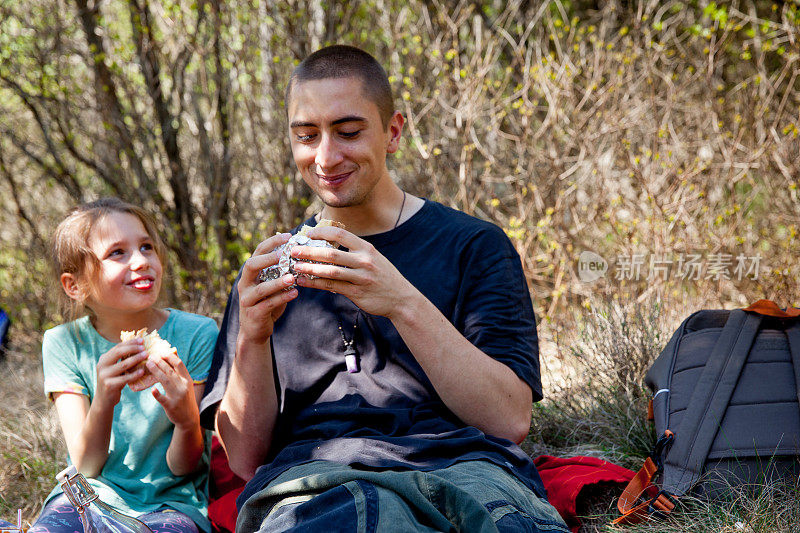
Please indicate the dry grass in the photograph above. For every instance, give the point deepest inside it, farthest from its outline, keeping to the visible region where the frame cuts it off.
(771, 508)
(598, 406)
(32, 450)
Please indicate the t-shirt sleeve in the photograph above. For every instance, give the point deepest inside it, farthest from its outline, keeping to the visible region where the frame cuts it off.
(222, 360)
(60, 364)
(496, 313)
(201, 351)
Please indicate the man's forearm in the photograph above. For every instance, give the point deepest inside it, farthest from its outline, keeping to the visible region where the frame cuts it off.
(249, 408)
(481, 391)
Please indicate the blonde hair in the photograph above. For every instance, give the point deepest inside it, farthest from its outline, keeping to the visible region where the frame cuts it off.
(71, 251)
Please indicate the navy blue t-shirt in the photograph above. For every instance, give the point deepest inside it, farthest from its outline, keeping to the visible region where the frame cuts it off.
(388, 415)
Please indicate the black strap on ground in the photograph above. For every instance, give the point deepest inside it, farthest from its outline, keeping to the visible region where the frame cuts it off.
(709, 401)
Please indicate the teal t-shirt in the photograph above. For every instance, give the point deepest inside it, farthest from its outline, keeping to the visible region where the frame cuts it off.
(136, 478)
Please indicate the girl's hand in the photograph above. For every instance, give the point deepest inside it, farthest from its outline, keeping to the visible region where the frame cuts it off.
(114, 370)
(178, 399)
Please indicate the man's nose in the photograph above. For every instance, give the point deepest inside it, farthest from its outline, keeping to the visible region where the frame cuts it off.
(327, 155)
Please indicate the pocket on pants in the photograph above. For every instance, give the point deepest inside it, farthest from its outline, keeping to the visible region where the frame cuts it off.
(511, 519)
(334, 510)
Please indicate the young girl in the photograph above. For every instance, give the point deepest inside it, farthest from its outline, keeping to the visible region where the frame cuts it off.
(143, 452)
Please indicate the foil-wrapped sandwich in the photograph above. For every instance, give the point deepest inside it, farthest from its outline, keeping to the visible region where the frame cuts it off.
(286, 262)
(156, 347)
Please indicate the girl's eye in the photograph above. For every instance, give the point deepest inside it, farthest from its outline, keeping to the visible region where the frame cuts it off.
(116, 252)
(146, 246)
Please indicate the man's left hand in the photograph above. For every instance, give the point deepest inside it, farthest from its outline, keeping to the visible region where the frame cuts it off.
(362, 273)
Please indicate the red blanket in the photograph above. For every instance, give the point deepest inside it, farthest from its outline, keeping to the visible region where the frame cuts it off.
(565, 478)
(224, 488)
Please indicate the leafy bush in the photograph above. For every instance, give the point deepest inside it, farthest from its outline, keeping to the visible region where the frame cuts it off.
(651, 130)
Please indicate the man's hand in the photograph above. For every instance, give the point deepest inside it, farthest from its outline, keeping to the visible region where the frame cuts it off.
(261, 304)
(362, 274)
(249, 408)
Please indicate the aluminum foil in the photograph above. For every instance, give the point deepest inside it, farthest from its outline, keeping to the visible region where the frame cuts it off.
(286, 262)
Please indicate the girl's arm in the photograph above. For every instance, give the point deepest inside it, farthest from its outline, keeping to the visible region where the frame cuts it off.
(180, 400)
(87, 427)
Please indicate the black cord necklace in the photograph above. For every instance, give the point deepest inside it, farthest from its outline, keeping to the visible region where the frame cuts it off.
(400, 214)
(350, 352)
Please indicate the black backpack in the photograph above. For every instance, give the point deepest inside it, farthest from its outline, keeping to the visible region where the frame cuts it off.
(726, 407)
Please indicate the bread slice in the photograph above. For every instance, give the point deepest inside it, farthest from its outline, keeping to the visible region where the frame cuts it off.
(156, 347)
(323, 223)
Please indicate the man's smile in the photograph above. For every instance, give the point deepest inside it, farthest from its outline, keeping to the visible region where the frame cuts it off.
(334, 179)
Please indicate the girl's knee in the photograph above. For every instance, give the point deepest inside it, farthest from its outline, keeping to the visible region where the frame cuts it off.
(169, 521)
(58, 516)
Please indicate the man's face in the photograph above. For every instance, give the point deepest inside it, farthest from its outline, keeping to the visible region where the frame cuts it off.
(338, 141)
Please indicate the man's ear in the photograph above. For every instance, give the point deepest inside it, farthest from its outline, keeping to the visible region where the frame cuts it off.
(71, 286)
(395, 129)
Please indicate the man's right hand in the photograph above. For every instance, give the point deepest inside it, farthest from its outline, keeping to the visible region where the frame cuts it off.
(249, 408)
(262, 303)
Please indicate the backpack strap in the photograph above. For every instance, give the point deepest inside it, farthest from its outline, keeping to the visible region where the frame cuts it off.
(712, 393)
(793, 334)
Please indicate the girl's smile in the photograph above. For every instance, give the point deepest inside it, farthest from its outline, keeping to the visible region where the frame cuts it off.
(144, 283)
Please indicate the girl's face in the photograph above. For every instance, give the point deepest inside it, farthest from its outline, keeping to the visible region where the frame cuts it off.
(129, 277)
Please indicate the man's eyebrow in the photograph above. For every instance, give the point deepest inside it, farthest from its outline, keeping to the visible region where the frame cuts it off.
(348, 118)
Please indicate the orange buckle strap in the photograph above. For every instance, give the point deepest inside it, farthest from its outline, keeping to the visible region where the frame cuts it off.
(637, 486)
(661, 503)
(659, 506)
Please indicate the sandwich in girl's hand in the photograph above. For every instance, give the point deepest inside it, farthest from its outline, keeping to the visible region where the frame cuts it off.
(156, 347)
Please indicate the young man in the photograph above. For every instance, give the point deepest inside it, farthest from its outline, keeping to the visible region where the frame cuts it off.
(431, 306)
